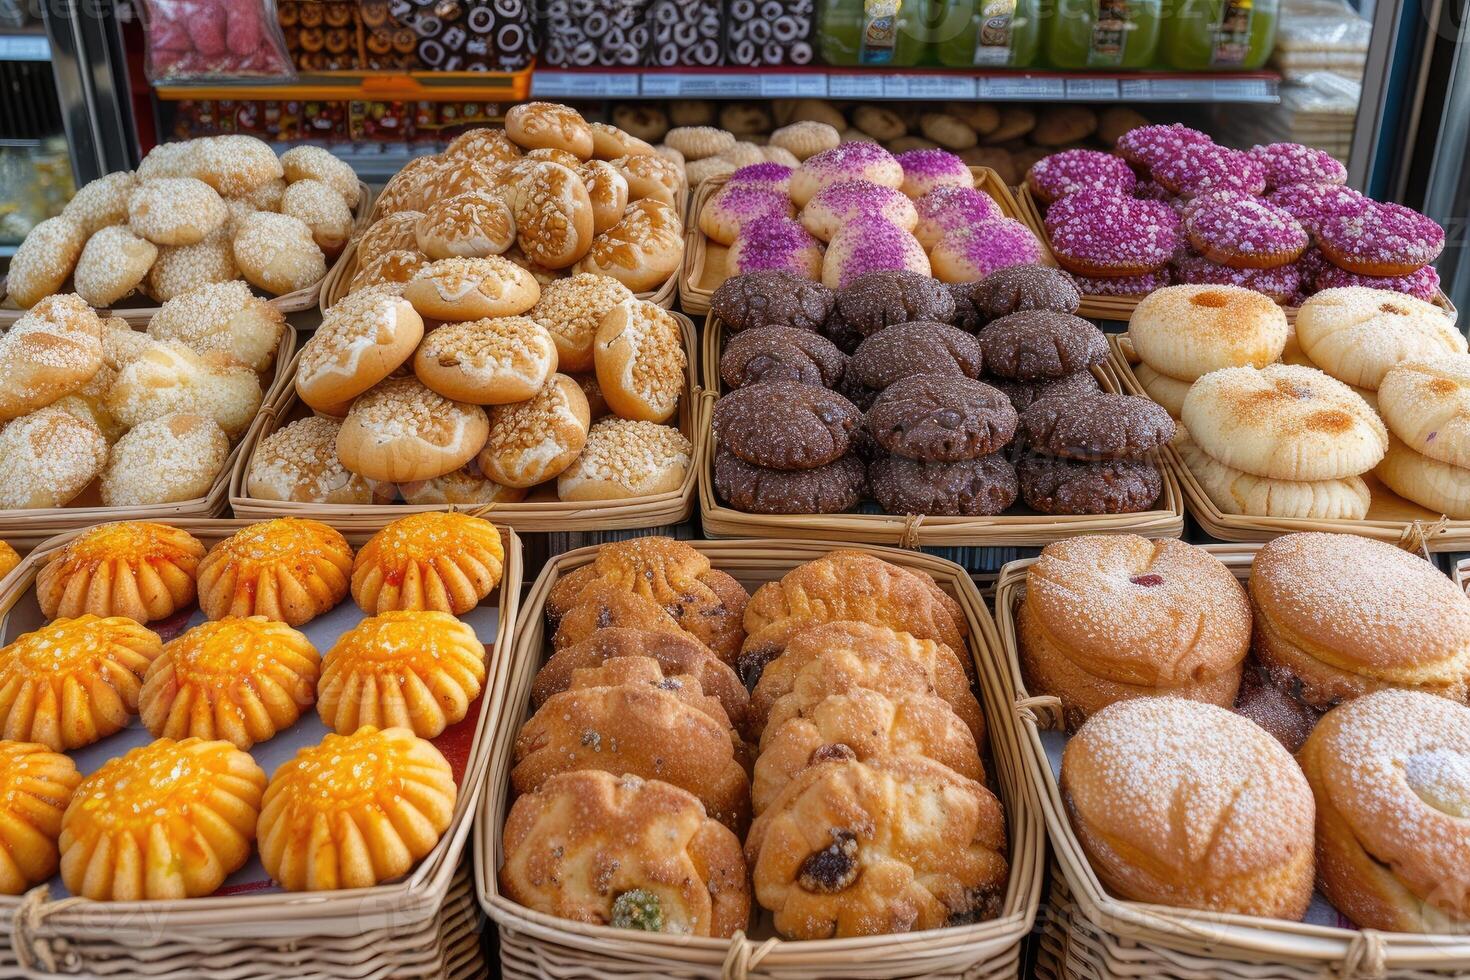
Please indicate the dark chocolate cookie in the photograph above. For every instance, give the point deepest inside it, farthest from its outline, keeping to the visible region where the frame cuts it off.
(840, 333)
(854, 390)
(785, 426)
(881, 299)
(1040, 344)
(1025, 287)
(1023, 393)
(1063, 486)
(771, 298)
(941, 418)
(781, 354)
(1096, 426)
(829, 489)
(970, 488)
(967, 315)
(923, 347)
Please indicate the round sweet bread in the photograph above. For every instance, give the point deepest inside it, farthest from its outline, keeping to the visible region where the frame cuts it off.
(101, 202)
(390, 270)
(402, 430)
(1284, 422)
(626, 458)
(168, 378)
(470, 225)
(36, 785)
(495, 361)
(175, 210)
(315, 163)
(640, 359)
(113, 264)
(362, 340)
(405, 189)
(235, 165)
(298, 462)
(1357, 334)
(165, 460)
(571, 310)
(286, 569)
(134, 569)
(396, 232)
(277, 253)
(871, 243)
(545, 124)
(44, 260)
(1168, 392)
(836, 204)
(181, 268)
(225, 318)
(553, 215)
(642, 250)
(1441, 487)
(465, 486)
(1184, 332)
(535, 440)
(51, 350)
(469, 289)
(1427, 405)
(609, 142)
(89, 403)
(484, 143)
(47, 458)
(436, 560)
(1238, 492)
(323, 212)
(607, 189)
(736, 206)
(651, 176)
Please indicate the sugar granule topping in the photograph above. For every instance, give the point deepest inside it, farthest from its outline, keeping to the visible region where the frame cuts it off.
(403, 408)
(628, 453)
(1075, 170)
(1246, 226)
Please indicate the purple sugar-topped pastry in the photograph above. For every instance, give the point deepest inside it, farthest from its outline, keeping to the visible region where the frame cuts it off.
(776, 243)
(1069, 171)
(737, 205)
(1152, 190)
(771, 176)
(1146, 146)
(1421, 284)
(1246, 234)
(1201, 167)
(858, 160)
(1288, 164)
(869, 243)
(836, 204)
(1210, 199)
(973, 253)
(1380, 239)
(1124, 285)
(924, 170)
(947, 209)
(1311, 204)
(1096, 233)
(1281, 283)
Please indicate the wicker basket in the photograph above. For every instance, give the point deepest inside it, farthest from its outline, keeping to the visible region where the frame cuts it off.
(915, 531)
(1120, 308)
(24, 529)
(292, 302)
(534, 945)
(704, 260)
(1390, 517)
(258, 933)
(1097, 935)
(543, 512)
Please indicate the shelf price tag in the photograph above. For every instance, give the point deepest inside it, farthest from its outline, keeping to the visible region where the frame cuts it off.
(1020, 87)
(1091, 89)
(24, 47)
(940, 87)
(570, 84)
(855, 86)
(793, 86)
(1244, 90)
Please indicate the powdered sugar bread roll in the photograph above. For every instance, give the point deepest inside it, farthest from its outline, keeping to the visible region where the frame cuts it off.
(102, 202)
(165, 460)
(850, 161)
(627, 458)
(316, 163)
(779, 244)
(867, 244)
(1438, 486)
(44, 260)
(169, 378)
(1357, 334)
(235, 165)
(735, 206)
(835, 205)
(180, 268)
(322, 210)
(471, 225)
(362, 339)
(642, 250)
(534, 441)
(1237, 492)
(471, 289)
(1284, 422)
(47, 458)
(537, 124)
(553, 216)
(225, 318)
(299, 462)
(53, 349)
(571, 310)
(175, 211)
(487, 362)
(1427, 405)
(402, 431)
(640, 359)
(1184, 332)
(277, 253)
(607, 189)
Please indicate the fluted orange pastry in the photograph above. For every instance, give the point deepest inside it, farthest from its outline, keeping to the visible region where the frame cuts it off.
(435, 560)
(8, 559)
(240, 680)
(35, 786)
(355, 810)
(74, 681)
(288, 569)
(168, 820)
(401, 669)
(131, 568)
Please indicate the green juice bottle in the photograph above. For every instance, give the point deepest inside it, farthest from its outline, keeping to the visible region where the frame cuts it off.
(1218, 35)
(1103, 34)
(989, 33)
(873, 33)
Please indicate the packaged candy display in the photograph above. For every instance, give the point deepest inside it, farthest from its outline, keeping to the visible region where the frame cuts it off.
(990, 34)
(872, 33)
(205, 38)
(582, 33)
(769, 32)
(685, 32)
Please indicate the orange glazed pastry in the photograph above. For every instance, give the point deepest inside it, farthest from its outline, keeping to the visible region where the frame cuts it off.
(288, 569)
(168, 820)
(131, 568)
(401, 669)
(355, 810)
(35, 786)
(8, 559)
(240, 680)
(74, 681)
(435, 560)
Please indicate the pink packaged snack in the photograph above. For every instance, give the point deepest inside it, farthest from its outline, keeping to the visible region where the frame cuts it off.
(213, 39)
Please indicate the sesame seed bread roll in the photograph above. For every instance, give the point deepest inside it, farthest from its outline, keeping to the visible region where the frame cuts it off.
(165, 460)
(471, 289)
(391, 269)
(89, 403)
(1237, 492)
(235, 165)
(1426, 403)
(1187, 804)
(1357, 334)
(121, 344)
(640, 360)
(1393, 848)
(487, 362)
(224, 318)
(651, 176)
(322, 210)
(175, 210)
(266, 197)
(470, 225)
(316, 163)
(1338, 616)
(1441, 487)
(625, 458)
(170, 378)
(534, 441)
(47, 458)
(572, 309)
(101, 202)
(1284, 422)
(533, 125)
(53, 349)
(401, 431)
(465, 486)
(1184, 332)
(405, 189)
(362, 339)
(180, 268)
(299, 462)
(277, 253)
(553, 216)
(642, 250)
(44, 260)
(391, 233)
(607, 189)
(609, 142)
(483, 144)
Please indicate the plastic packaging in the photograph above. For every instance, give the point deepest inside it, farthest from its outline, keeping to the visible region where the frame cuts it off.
(865, 33)
(579, 33)
(199, 39)
(1225, 35)
(989, 34)
(1103, 34)
(769, 32)
(685, 32)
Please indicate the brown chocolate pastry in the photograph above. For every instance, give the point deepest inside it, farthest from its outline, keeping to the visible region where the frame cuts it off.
(1063, 486)
(781, 354)
(771, 298)
(1023, 393)
(923, 347)
(841, 333)
(967, 315)
(1096, 426)
(786, 426)
(1025, 287)
(941, 418)
(829, 489)
(970, 488)
(1040, 344)
(880, 299)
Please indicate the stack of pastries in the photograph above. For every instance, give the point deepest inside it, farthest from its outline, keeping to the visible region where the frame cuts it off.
(361, 807)
(1186, 696)
(833, 706)
(149, 417)
(212, 210)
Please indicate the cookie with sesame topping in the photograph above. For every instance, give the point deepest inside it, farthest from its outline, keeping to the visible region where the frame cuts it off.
(53, 349)
(102, 202)
(277, 253)
(402, 430)
(112, 266)
(626, 458)
(44, 260)
(47, 458)
(319, 207)
(315, 163)
(494, 361)
(640, 360)
(180, 268)
(165, 460)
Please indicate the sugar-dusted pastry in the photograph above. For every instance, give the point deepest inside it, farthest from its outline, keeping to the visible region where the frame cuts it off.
(626, 852)
(403, 669)
(435, 560)
(74, 681)
(168, 820)
(135, 569)
(240, 680)
(36, 784)
(288, 569)
(355, 810)
(603, 605)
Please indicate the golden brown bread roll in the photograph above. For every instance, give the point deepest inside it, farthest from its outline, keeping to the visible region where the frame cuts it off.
(401, 431)
(52, 349)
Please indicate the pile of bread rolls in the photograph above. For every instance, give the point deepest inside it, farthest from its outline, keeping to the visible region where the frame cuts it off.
(202, 211)
(152, 414)
(551, 193)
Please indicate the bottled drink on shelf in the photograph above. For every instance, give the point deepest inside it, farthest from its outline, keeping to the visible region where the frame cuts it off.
(873, 33)
(989, 34)
(1102, 34)
(1218, 35)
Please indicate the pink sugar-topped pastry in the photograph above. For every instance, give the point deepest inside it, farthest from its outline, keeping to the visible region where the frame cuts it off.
(926, 169)
(1288, 164)
(771, 176)
(1311, 204)
(1246, 234)
(1421, 283)
(1380, 239)
(737, 205)
(947, 209)
(776, 243)
(1146, 146)
(1095, 233)
(1281, 283)
(836, 204)
(859, 160)
(1124, 285)
(1069, 171)
(973, 253)
(1201, 167)
(1210, 199)
(1152, 190)
(867, 244)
